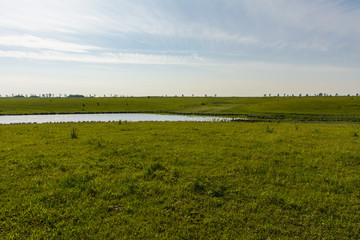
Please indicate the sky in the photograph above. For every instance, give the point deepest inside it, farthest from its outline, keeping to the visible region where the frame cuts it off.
(179, 47)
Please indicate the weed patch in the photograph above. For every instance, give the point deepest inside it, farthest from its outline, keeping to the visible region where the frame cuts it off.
(74, 133)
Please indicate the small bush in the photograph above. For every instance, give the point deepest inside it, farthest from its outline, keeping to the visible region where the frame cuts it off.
(155, 170)
(198, 186)
(269, 129)
(63, 168)
(217, 190)
(100, 143)
(73, 133)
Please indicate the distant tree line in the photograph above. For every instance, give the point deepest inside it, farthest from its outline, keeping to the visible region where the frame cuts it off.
(308, 95)
(75, 96)
(51, 95)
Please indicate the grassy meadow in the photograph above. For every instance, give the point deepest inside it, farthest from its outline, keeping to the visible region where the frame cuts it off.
(297, 176)
(229, 180)
(276, 108)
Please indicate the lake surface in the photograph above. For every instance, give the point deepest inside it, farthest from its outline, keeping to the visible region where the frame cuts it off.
(105, 117)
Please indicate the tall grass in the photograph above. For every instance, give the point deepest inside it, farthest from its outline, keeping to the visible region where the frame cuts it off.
(73, 133)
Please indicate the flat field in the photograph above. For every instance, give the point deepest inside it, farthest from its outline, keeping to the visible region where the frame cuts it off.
(179, 180)
(278, 108)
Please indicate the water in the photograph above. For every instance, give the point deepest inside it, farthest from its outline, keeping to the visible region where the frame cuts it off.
(105, 117)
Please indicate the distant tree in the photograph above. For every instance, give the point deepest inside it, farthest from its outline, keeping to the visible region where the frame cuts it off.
(265, 95)
(75, 96)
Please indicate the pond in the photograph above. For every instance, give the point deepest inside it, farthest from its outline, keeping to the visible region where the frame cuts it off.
(105, 117)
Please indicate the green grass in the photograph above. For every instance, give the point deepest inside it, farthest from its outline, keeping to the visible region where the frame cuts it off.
(287, 108)
(180, 180)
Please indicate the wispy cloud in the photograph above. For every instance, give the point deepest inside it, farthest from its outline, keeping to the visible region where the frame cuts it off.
(281, 67)
(48, 16)
(311, 16)
(262, 23)
(115, 18)
(107, 58)
(233, 37)
(28, 41)
(163, 59)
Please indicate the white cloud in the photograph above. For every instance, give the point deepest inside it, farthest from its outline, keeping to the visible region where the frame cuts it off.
(46, 16)
(267, 24)
(287, 67)
(127, 18)
(28, 41)
(165, 59)
(107, 58)
(108, 17)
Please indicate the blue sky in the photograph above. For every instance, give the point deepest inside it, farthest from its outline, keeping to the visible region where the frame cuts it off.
(168, 47)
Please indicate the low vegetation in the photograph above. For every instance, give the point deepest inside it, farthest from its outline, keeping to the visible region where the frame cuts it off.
(274, 108)
(179, 180)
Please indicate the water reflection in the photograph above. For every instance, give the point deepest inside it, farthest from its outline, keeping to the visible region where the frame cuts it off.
(105, 117)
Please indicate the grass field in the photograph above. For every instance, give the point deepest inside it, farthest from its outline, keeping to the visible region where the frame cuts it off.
(179, 180)
(278, 108)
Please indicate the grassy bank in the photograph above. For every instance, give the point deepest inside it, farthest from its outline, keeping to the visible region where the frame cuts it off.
(180, 181)
(278, 108)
